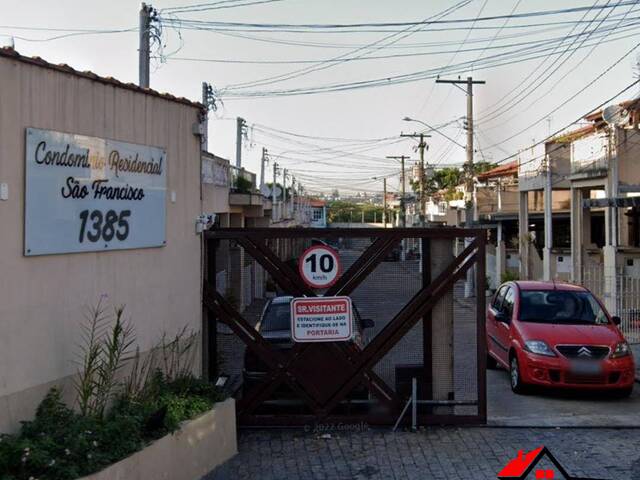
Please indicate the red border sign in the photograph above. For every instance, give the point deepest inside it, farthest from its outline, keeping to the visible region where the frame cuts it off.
(312, 282)
(321, 319)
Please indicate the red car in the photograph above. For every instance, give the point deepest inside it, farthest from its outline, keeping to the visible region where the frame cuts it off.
(557, 335)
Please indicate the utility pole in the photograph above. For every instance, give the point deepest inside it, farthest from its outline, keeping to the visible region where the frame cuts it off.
(403, 208)
(470, 210)
(384, 202)
(423, 178)
(263, 162)
(144, 49)
(293, 197)
(240, 126)
(273, 192)
(284, 193)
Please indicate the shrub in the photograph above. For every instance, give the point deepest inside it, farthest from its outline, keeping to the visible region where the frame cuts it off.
(509, 276)
(115, 419)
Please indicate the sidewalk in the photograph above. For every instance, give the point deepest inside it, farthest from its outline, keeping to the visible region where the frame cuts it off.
(433, 453)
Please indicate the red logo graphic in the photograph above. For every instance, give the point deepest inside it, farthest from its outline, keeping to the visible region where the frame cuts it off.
(521, 466)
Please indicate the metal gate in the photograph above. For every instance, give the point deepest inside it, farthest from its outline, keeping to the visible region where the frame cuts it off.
(412, 322)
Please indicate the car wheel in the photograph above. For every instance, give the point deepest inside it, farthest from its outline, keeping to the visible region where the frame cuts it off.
(492, 364)
(514, 374)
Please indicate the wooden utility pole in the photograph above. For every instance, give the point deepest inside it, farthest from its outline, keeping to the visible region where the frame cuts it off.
(470, 207)
(423, 178)
(403, 208)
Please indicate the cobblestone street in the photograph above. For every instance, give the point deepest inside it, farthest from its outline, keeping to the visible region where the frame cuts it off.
(436, 453)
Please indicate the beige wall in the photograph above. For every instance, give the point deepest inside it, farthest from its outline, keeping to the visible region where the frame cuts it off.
(42, 298)
(628, 143)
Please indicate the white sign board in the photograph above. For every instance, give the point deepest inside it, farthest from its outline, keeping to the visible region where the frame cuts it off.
(319, 266)
(318, 319)
(87, 194)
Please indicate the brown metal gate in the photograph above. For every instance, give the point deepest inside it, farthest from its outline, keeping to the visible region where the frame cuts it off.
(410, 280)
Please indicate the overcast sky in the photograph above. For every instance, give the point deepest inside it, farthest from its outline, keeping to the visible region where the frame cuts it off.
(361, 114)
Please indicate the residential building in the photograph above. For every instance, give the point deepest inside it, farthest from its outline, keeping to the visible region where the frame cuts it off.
(59, 129)
(318, 213)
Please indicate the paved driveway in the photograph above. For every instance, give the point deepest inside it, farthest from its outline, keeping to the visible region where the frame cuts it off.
(436, 453)
(553, 408)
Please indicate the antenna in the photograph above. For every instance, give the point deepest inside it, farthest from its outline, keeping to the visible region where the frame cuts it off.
(615, 115)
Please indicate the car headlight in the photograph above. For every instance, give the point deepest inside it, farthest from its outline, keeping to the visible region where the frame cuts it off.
(622, 350)
(539, 348)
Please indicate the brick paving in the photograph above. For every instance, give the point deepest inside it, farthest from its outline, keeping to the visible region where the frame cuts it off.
(435, 453)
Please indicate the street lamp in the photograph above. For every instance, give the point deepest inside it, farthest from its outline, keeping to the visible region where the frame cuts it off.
(409, 119)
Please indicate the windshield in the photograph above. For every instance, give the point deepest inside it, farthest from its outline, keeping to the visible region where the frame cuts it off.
(560, 307)
(277, 317)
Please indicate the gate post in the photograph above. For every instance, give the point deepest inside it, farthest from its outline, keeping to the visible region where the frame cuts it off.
(441, 253)
(210, 322)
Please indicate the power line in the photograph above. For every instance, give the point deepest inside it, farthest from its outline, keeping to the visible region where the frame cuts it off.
(498, 60)
(393, 38)
(429, 21)
(557, 132)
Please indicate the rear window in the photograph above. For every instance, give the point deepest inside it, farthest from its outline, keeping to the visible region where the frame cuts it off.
(560, 307)
(277, 317)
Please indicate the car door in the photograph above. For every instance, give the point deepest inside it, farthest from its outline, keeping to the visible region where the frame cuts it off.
(503, 328)
(492, 327)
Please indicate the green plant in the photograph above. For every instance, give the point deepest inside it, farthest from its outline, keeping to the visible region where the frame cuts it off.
(173, 358)
(243, 185)
(509, 276)
(102, 354)
(115, 418)
(60, 444)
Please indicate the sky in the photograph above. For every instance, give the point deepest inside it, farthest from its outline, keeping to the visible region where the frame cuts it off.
(340, 139)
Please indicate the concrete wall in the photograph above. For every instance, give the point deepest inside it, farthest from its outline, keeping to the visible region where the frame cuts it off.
(42, 298)
(628, 149)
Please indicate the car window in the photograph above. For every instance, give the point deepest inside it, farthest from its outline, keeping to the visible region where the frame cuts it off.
(560, 307)
(277, 317)
(497, 300)
(507, 304)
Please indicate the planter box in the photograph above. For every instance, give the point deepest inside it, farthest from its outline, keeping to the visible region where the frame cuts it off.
(189, 453)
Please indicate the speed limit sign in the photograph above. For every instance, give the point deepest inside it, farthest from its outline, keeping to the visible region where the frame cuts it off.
(319, 266)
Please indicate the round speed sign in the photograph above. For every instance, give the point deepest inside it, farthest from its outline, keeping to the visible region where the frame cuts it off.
(319, 266)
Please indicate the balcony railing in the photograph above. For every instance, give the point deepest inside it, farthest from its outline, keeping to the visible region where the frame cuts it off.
(589, 156)
(592, 166)
(241, 180)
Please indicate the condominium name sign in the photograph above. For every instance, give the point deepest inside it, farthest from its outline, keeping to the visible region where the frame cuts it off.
(87, 194)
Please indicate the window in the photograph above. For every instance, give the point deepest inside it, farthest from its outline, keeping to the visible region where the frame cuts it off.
(277, 317)
(497, 300)
(507, 305)
(317, 214)
(561, 307)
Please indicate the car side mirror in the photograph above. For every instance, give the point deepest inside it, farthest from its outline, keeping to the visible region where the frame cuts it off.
(616, 320)
(367, 323)
(502, 317)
